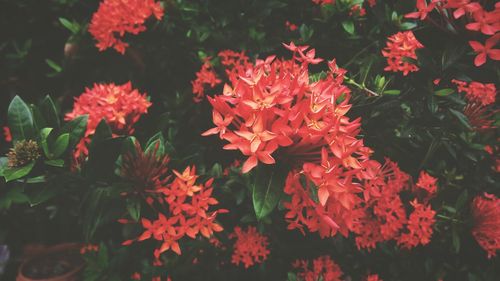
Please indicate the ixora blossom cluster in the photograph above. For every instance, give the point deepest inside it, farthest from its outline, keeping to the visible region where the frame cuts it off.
(273, 113)
(401, 46)
(480, 97)
(478, 17)
(120, 105)
(486, 215)
(250, 247)
(114, 18)
(323, 268)
(181, 205)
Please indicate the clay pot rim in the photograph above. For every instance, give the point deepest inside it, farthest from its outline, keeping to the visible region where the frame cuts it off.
(53, 249)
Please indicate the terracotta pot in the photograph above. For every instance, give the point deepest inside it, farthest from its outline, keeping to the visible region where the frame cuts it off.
(58, 263)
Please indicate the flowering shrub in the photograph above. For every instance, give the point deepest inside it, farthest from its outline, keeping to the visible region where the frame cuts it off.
(278, 140)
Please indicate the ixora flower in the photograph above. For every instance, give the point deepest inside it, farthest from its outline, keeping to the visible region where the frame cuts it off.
(486, 50)
(323, 268)
(400, 46)
(120, 105)
(183, 204)
(373, 277)
(272, 112)
(114, 18)
(479, 98)
(250, 246)
(428, 183)
(486, 229)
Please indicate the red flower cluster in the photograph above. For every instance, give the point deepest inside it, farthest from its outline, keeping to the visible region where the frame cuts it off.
(273, 105)
(477, 92)
(419, 227)
(486, 230)
(205, 77)
(357, 10)
(114, 18)
(121, 107)
(373, 277)
(399, 46)
(479, 97)
(323, 268)
(235, 64)
(323, 2)
(427, 183)
(479, 20)
(182, 204)
(250, 246)
(273, 110)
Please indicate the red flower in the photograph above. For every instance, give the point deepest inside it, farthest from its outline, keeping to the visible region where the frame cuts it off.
(486, 50)
(423, 9)
(373, 277)
(462, 7)
(291, 26)
(486, 230)
(419, 228)
(121, 107)
(323, 2)
(357, 10)
(6, 133)
(205, 77)
(184, 203)
(486, 22)
(323, 268)
(372, 3)
(477, 92)
(250, 247)
(399, 46)
(114, 18)
(427, 183)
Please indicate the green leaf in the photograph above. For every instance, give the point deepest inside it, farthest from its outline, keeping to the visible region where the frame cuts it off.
(267, 189)
(155, 140)
(42, 195)
(461, 117)
(14, 195)
(49, 112)
(444, 92)
(291, 276)
(462, 199)
(53, 65)
(305, 32)
(3, 165)
(76, 129)
(11, 174)
(55, 163)
(71, 26)
(392, 92)
(348, 26)
(455, 239)
(44, 135)
(134, 209)
(20, 120)
(60, 145)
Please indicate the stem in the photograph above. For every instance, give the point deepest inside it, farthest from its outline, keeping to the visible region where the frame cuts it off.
(449, 219)
(359, 86)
